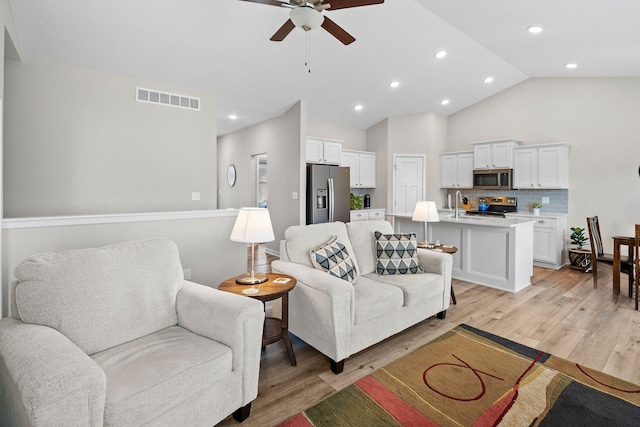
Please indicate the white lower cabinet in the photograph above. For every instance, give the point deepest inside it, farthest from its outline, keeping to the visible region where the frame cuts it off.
(549, 236)
(367, 214)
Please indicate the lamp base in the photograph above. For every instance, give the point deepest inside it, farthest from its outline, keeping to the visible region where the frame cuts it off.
(246, 279)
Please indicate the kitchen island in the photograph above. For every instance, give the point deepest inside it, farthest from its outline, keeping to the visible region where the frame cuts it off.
(495, 252)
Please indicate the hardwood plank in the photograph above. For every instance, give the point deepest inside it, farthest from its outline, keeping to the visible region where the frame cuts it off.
(560, 313)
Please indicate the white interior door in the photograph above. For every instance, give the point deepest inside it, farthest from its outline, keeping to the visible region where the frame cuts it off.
(408, 182)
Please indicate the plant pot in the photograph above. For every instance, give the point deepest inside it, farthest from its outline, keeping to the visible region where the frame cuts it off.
(536, 211)
(580, 259)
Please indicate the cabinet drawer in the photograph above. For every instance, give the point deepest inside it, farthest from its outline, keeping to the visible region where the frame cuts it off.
(376, 214)
(358, 216)
(544, 223)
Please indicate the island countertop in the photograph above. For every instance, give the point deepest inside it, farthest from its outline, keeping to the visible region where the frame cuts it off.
(475, 220)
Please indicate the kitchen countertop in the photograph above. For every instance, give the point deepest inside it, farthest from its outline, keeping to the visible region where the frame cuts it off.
(523, 214)
(490, 221)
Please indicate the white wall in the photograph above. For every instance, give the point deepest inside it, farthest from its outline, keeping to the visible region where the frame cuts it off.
(9, 48)
(597, 116)
(281, 139)
(423, 133)
(77, 142)
(420, 134)
(353, 138)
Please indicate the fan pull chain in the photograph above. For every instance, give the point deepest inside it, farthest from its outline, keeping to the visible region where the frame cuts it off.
(307, 51)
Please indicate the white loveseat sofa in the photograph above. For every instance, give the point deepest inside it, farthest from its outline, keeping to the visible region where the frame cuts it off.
(115, 336)
(340, 319)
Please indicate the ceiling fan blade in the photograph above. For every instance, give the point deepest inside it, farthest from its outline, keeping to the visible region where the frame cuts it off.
(269, 2)
(336, 31)
(283, 32)
(343, 4)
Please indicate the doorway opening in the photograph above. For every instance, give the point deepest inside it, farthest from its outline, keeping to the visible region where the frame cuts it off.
(261, 181)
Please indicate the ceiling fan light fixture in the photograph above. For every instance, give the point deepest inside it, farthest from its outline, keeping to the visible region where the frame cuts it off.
(306, 18)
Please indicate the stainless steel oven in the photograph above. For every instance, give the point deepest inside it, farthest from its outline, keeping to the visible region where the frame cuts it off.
(492, 179)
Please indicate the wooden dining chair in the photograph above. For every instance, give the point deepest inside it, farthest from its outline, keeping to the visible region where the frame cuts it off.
(636, 251)
(598, 255)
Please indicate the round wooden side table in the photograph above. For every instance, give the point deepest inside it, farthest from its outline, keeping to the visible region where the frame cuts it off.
(447, 249)
(274, 329)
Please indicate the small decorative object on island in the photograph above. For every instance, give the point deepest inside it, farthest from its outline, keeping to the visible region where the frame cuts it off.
(580, 258)
(536, 207)
(355, 202)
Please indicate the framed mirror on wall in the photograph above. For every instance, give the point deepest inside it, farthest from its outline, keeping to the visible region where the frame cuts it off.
(261, 180)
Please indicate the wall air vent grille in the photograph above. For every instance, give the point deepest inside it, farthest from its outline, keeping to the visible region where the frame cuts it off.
(168, 99)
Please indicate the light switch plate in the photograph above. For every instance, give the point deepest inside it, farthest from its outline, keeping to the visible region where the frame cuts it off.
(545, 200)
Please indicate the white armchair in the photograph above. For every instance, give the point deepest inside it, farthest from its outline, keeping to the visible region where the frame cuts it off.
(115, 336)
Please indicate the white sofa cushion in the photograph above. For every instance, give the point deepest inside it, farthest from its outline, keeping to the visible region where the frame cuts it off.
(102, 297)
(361, 235)
(416, 288)
(375, 299)
(171, 365)
(301, 239)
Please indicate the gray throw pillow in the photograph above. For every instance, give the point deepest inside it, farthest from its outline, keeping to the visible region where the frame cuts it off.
(333, 258)
(397, 254)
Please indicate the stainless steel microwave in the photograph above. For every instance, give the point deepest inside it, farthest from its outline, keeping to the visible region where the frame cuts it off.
(492, 179)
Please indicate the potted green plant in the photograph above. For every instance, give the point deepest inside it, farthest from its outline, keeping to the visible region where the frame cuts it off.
(579, 258)
(536, 207)
(355, 202)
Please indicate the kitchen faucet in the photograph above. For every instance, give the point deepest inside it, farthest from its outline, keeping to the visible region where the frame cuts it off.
(458, 197)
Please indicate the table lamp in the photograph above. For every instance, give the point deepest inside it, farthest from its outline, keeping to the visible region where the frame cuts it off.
(253, 225)
(425, 211)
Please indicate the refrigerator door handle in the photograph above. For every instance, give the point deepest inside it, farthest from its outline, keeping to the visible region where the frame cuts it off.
(331, 200)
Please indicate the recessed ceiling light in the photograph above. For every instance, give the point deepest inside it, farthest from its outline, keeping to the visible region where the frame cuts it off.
(488, 79)
(232, 116)
(441, 54)
(394, 83)
(571, 65)
(358, 107)
(534, 29)
(444, 102)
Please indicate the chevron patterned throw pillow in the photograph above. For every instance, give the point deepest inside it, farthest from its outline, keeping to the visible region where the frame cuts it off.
(397, 254)
(333, 258)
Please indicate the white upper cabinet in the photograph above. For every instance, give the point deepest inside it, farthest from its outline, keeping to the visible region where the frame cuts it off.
(494, 154)
(456, 170)
(323, 151)
(363, 168)
(541, 166)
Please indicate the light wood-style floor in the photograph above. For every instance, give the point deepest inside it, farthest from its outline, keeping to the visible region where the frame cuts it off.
(560, 313)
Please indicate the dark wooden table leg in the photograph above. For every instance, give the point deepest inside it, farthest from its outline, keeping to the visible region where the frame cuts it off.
(285, 329)
(453, 296)
(616, 266)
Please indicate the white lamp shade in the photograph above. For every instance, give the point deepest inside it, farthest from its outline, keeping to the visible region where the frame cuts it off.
(426, 211)
(306, 18)
(253, 225)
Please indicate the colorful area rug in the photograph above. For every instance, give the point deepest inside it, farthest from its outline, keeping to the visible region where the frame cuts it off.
(468, 377)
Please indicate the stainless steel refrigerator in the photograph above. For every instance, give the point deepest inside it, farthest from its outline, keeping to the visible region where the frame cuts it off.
(327, 194)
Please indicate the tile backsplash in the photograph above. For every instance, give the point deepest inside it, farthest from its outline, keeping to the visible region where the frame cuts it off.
(558, 199)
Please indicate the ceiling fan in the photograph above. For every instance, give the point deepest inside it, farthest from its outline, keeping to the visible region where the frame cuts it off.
(307, 14)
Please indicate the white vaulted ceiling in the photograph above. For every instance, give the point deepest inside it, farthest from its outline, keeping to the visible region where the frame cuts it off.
(223, 46)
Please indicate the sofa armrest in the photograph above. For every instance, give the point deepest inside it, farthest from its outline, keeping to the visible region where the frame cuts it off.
(438, 263)
(46, 380)
(434, 262)
(230, 319)
(321, 309)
